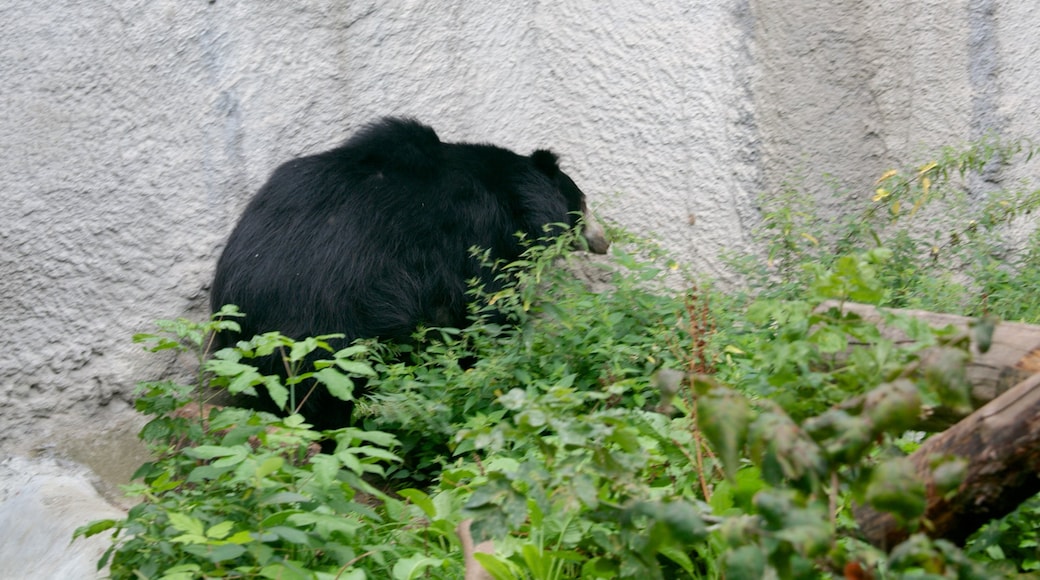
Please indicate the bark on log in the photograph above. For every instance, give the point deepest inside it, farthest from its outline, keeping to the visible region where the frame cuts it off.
(1013, 356)
(1001, 442)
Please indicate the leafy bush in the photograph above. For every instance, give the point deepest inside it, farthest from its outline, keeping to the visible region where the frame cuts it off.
(950, 246)
(637, 432)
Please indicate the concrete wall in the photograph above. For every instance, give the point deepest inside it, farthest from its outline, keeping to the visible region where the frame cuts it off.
(133, 133)
(853, 88)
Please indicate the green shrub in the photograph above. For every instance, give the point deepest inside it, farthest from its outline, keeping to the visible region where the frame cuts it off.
(637, 432)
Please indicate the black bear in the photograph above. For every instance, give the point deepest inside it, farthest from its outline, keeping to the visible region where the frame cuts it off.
(373, 238)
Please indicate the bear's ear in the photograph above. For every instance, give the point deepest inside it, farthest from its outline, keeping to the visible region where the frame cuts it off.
(546, 162)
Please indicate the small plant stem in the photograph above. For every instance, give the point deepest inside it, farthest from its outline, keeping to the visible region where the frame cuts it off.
(352, 562)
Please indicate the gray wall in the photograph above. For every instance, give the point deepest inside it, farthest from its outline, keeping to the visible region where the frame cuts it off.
(134, 132)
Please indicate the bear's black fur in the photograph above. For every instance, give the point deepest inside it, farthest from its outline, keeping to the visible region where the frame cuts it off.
(373, 238)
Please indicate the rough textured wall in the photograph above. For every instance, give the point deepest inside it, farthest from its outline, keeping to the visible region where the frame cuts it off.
(134, 132)
(137, 132)
(846, 90)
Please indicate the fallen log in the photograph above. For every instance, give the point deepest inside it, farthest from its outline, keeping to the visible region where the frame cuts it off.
(1000, 440)
(1001, 443)
(1013, 355)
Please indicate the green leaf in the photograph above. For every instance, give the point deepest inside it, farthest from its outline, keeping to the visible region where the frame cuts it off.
(376, 453)
(585, 490)
(338, 384)
(269, 466)
(221, 456)
(379, 438)
(94, 528)
(538, 561)
(723, 416)
(414, 566)
(225, 552)
(182, 572)
(211, 452)
(325, 525)
(597, 568)
(893, 407)
(351, 351)
(291, 535)
(845, 438)
(534, 418)
(186, 523)
(243, 379)
(355, 367)
(242, 537)
(829, 339)
(895, 488)
(946, 372)
(784, 452)
(982, 332)
(350, 461)
(514, 400)
(325, 468)
(499, 568)
(678, 518)
(948, 472)
(280, 571)
(301, 348)
(745, 563)
(420, 500)
(283, 497)
(219, 531)
(278, 393)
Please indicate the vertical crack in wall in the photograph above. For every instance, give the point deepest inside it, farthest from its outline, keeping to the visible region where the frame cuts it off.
(750, 178)
(224, 162)
(983, 74)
